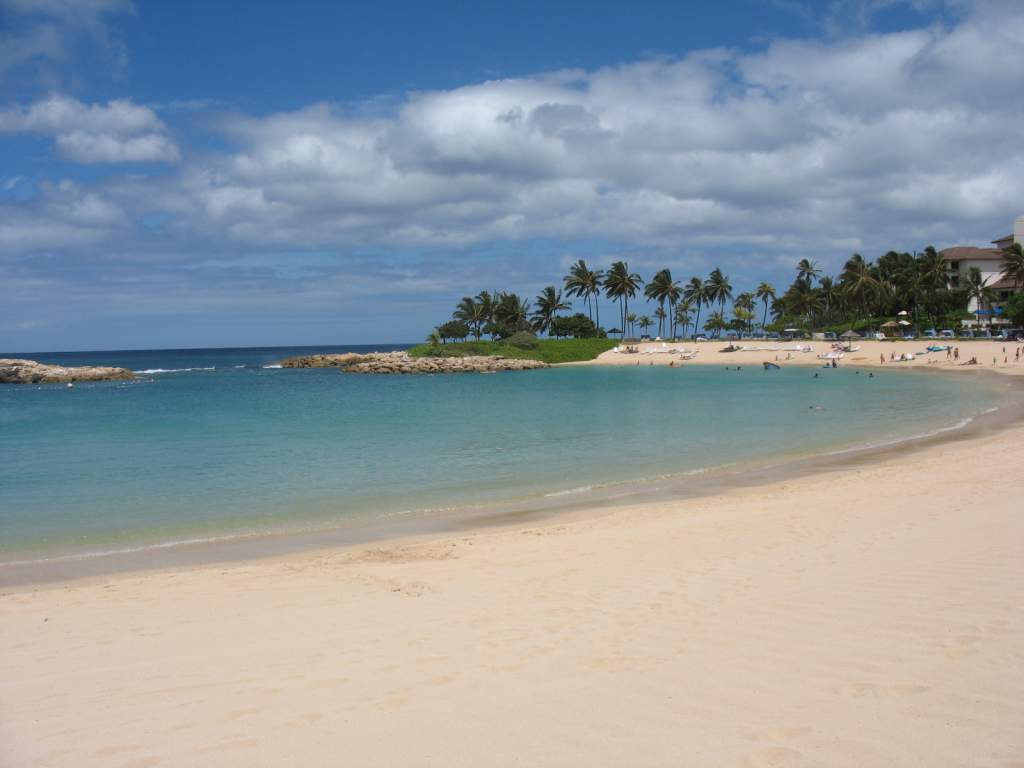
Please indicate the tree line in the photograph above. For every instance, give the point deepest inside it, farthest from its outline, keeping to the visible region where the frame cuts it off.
(858, 297)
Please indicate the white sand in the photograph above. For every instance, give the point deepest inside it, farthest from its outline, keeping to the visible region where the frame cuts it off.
(868, 617)
(991, 355)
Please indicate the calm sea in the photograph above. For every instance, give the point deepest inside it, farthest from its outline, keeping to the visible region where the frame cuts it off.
(218, 442)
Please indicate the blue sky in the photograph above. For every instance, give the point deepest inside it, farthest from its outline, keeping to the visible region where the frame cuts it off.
(213, 174)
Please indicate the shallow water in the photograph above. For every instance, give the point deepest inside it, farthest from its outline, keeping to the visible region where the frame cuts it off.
(234, 447)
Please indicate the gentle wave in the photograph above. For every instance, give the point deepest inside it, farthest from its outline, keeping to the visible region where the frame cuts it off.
(273, 366)
(129, 550)
(569, 491)
(172, 370)
(909, 438)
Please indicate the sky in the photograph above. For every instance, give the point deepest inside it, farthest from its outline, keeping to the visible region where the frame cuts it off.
(195, 174)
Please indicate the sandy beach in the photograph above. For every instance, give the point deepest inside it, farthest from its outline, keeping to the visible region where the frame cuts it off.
(869, 615)
(991, 355)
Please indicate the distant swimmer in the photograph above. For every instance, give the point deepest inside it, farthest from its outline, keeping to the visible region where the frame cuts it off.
(871, 375)
(71, 385)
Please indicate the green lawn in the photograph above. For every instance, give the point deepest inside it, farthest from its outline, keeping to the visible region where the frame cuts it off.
(547, 351)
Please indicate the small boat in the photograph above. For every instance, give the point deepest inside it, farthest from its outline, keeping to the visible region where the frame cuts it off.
(770, 366)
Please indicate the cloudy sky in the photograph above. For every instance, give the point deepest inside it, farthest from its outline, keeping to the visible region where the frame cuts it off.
(261, 174)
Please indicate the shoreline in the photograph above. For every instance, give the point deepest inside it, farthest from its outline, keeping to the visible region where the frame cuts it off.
(567, 505)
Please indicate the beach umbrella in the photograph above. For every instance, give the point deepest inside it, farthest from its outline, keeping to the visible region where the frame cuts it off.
(614, 330)
(849, 335)
(904, 322)
(903, 313)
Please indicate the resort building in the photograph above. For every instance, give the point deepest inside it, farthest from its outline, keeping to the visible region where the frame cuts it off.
(989, 261)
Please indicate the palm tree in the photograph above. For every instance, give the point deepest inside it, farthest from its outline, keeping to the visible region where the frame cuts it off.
(716, 323)
(645, 322)
(745, 303)
(807, 271)
(766, 293)
(621, 285)
(512, 312)
(471, 312)
(585, 283)
(549, 304)
(719, 289)
(979, 290)
(631, 321)
(829, 293)
(859, 281)
(658, 290)
(681, 316)
(694, 294)
(934, 277)
(661, 315)
(805, 301)
(1013, 264)
(487, 302)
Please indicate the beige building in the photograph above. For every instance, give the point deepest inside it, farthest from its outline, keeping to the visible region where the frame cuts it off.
(989, 261)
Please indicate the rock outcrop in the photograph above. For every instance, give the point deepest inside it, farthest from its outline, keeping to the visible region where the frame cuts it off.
(15, 371)
(402, 362)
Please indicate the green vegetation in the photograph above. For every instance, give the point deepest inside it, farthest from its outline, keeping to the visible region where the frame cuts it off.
(918, 288)
(545, 350)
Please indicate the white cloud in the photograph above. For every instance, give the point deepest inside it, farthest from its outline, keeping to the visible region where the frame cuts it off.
(117, 132)
(64, 216)
(802, 144)
(805, 147)
(48, 30)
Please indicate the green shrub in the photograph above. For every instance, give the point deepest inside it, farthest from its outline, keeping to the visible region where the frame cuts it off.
(523, 340)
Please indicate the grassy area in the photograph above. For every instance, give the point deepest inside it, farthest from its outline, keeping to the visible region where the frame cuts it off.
(547, 350)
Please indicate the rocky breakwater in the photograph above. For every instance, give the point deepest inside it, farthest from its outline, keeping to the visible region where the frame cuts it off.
(15, 371)
(401, 362)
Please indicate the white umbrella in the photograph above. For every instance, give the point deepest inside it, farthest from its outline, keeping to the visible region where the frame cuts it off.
(904, 322)
(903, 313)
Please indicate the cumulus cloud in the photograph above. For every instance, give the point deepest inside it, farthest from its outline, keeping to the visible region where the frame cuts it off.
(803, 144)
(117, 132)
(63, 216)
(745, 159)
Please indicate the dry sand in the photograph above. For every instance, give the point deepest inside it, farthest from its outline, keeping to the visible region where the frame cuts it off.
(864, 617)
(709, 353)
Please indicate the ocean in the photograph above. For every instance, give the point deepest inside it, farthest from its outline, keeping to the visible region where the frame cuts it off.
(219, 443)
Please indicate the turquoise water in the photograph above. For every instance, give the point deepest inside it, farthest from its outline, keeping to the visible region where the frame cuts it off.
(243, 448)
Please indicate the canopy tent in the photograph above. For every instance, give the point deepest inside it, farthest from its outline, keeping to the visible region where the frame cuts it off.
(890, 328)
